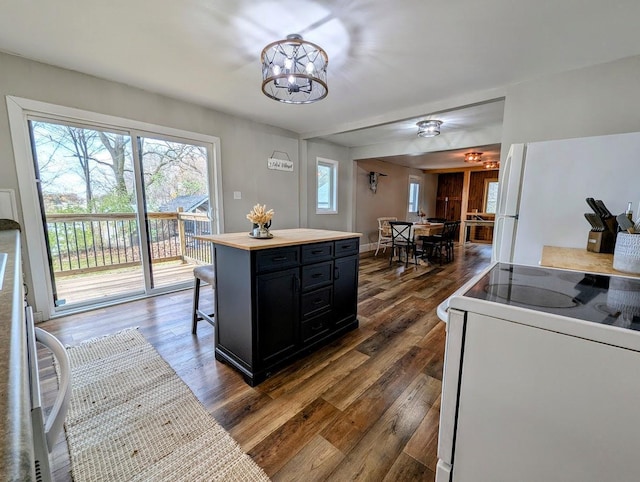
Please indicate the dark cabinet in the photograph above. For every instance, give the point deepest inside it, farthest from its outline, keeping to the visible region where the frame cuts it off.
(277, 307)
(345, 287)
(276, 304)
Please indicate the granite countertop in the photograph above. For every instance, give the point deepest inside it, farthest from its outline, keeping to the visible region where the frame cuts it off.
(16, 460)
(8, 224)
(281, 237)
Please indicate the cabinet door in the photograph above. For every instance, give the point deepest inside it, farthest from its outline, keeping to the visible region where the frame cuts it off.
(345, 289)
(536, 405)
(277, 314)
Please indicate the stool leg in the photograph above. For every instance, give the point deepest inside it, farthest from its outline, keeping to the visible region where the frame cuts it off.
(196, 298)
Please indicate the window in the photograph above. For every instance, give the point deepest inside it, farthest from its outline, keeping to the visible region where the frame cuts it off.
(490, 195)
(327, 186)
(414, 194)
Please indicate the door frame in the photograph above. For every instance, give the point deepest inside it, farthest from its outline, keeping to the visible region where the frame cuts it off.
(37, 272)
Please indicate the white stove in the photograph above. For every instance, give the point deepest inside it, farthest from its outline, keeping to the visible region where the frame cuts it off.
(540, 378)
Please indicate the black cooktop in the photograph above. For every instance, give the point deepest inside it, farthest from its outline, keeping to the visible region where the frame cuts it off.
(610, 300)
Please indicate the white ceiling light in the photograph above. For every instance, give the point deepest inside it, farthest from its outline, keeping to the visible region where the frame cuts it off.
(429, 128)
(294, 71)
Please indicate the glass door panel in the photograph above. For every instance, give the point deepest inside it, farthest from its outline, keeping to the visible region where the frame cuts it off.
(176, 208)
(87, 198)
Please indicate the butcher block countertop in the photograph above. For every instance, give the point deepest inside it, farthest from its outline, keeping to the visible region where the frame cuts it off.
(580, 259)
(281, 237)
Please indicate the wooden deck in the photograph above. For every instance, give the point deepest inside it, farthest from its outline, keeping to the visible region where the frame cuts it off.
(100, 285)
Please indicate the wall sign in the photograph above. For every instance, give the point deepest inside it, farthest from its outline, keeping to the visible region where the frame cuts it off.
(280, 164)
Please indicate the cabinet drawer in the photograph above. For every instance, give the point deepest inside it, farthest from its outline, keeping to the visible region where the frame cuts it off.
(312, 253)
(316, 327)
(317, 301)
(345, 247)
(316, 275)
(279, 258)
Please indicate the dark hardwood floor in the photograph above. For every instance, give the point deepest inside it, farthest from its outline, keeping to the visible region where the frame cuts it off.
(365, 407)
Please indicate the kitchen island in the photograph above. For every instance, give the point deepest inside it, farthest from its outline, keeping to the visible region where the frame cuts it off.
(280, 298)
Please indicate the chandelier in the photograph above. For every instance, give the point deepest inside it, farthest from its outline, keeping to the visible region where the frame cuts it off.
(294, 71)
(473, 157)
(429, 128)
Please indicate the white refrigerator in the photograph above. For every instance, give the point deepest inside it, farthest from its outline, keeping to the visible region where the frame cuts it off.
(543, 187)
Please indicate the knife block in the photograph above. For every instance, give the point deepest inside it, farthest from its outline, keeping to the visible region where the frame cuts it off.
(601, 242)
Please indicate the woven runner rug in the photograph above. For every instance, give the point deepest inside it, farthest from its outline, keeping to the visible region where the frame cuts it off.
(132, 418)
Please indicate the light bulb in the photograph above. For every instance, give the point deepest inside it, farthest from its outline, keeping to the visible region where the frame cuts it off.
(276, 70)
(292, 79)
(309, 68)
(288, 63)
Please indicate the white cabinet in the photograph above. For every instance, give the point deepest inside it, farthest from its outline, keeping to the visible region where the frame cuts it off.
(537, 405)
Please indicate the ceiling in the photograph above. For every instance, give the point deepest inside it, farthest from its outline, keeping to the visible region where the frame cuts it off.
(450, 159)
(388, 61)
(427, 154)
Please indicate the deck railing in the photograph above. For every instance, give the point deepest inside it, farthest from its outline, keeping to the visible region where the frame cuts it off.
(91, 242)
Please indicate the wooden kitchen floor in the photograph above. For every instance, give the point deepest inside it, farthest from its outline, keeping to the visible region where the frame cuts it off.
(365, 407)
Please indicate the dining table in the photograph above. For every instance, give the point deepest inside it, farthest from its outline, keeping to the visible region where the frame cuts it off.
(426, 229)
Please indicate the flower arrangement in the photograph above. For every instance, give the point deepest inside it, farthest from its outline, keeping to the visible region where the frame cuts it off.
(260, 215)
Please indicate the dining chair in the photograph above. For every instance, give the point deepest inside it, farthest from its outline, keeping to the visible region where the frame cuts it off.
(402, 240)
(384, 233)
(441, 245)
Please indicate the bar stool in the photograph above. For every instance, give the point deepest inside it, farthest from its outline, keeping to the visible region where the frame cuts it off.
(207, 274)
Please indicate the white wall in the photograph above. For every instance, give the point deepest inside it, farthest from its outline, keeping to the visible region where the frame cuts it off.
(599, 100)
(343, 220)
(391, 197)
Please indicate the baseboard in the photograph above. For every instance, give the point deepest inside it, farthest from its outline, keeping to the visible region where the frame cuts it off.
(367, 247)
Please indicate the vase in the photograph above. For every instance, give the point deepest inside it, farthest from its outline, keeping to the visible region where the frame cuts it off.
(261, 231)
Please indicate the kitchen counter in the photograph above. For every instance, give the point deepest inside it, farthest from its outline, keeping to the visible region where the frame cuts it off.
(281, 237)
(16, 459)
(580, 259)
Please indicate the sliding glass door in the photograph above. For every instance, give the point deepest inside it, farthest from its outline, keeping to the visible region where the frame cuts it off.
(176, 206)
(120, 209)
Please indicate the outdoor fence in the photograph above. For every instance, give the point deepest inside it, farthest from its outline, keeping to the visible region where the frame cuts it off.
(80, 243)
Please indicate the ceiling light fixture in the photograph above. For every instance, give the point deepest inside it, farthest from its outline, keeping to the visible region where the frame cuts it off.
(294, 71)
(473, 157)
(491, 164)
(429, 128)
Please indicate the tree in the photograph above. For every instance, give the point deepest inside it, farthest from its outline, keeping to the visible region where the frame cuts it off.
(102, 162)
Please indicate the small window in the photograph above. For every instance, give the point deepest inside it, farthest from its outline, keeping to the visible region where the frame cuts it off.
(490, 196)
(414, 194)
(327, 186)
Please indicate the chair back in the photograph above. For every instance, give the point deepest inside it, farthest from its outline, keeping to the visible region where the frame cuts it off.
(383, 225)
(449, 229)
(401, 231)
